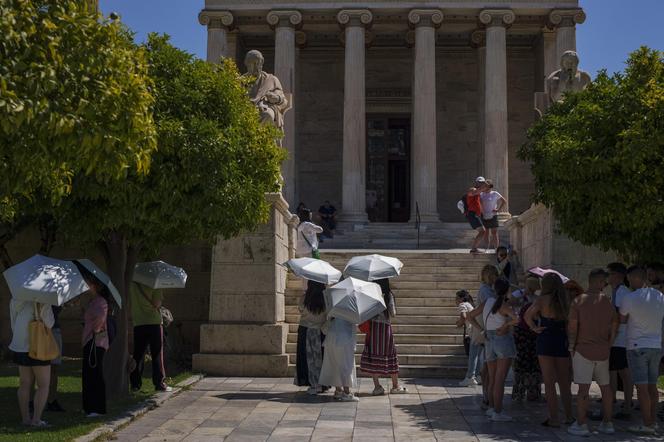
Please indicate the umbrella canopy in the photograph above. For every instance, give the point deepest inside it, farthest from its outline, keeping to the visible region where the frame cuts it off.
(45, 280)
(160, 275)
(314, 270)
(538, 271)
(373, 267)
(354, 300)
(102, 277)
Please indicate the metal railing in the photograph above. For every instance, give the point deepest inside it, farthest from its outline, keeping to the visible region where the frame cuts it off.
(418, 221)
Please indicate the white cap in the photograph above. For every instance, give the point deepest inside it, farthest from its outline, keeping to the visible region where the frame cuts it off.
(480, 179)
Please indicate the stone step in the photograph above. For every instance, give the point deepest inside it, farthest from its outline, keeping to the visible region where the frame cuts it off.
(440, 298)
(292, 309)
(400, 319)
(409, 339)
(411, 329)
(417, 349)
(400, 294)
(409, 359)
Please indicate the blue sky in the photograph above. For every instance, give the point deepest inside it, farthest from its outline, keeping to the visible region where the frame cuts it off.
(612, 30)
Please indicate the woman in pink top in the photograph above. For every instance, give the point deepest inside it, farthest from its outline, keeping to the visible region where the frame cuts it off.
(95, 343)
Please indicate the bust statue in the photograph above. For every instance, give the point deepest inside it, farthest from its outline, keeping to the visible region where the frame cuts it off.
(566, 79)
(266, 92)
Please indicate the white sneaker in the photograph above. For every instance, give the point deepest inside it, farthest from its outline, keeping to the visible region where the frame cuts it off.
(578, 430)
(312, 391)
(489, 412)
(478, 381)
(350, 397)
(378, 391)
(500, 417)
(606, 428)
(465, 383)
(338, 394)
(642, 429)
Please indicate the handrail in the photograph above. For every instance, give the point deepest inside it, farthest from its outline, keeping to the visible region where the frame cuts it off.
(418, 221)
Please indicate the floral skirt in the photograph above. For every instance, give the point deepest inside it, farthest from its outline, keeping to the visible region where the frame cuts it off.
(309, 357)
(380, 354)
(527, 374)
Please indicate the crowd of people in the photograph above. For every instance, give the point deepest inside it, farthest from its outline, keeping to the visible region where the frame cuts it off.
(97, 334)
(556, 333)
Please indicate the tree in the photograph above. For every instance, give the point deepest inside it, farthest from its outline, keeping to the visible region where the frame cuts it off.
(74, 100)
(208, 177)
(597, 159)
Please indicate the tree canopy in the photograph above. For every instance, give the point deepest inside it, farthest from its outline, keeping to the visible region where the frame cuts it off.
(598, 160)
(74, 99)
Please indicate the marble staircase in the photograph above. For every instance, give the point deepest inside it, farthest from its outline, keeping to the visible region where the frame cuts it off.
(428, 342)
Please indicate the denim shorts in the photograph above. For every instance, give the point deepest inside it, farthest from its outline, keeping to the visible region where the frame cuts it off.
(644, 365)
(499, 347)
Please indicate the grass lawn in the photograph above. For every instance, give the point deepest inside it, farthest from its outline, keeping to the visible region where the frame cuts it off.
(70, 424)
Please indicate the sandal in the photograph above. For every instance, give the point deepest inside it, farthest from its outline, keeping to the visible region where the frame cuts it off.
(547, 423)
(41, 424)
(399, 390)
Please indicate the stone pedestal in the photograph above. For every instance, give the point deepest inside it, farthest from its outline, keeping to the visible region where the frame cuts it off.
(354, 22)
(246, 335)
(496, 151)
(425, 22)
(219, 42)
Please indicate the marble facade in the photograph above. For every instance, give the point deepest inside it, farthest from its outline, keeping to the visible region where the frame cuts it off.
(463, 73)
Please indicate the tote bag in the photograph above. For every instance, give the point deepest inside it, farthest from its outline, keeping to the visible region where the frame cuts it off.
(42, 343)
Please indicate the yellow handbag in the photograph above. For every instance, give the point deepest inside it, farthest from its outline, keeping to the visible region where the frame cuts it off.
(42, 343)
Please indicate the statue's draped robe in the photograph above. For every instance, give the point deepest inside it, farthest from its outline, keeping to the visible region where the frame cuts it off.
(264, 84)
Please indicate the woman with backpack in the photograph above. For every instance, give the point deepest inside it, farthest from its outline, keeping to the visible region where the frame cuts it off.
(95, 344)
(307, 235)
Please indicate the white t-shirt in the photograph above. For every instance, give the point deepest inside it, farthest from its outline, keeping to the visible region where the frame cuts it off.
(493, 320)
(645, 308)
(307, 230)
(621, 337)
(489, 203)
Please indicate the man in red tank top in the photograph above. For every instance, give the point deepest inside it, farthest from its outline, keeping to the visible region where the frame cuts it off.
(474, 211)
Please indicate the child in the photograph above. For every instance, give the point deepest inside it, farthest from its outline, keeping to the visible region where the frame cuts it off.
(309, 358)
(473, 339)
(339, 360)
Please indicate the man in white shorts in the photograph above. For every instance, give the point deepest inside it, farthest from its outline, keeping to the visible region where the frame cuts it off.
(592, 328)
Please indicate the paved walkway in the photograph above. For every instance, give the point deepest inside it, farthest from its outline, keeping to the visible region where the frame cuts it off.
(262, 409)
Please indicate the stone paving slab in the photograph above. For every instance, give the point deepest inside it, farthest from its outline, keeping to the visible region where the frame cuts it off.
(273, 410)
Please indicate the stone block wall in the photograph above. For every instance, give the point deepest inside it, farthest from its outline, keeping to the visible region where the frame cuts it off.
(533, 235)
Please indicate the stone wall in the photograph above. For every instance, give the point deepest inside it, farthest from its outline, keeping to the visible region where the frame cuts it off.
(246, 331)
(189, 306)
(534, 236)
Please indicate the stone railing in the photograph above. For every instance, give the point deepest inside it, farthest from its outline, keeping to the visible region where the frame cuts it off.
(246, 334)
(534, 236)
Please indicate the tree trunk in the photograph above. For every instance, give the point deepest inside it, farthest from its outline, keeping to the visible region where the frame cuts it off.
(115, 362)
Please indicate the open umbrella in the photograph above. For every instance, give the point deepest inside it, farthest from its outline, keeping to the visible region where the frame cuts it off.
(160, 275)
(538, 271)
(45, 280)
(102, 277)
(373, 267)
(354, 300)
(314, 270)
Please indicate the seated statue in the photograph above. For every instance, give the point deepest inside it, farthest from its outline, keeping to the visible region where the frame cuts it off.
(266, 92)
(566, 79)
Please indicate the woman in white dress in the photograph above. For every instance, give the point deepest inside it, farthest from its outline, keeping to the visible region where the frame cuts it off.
(339, 360)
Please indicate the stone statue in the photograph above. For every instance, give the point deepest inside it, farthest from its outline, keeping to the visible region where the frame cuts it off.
(266, 92)
(566, 79)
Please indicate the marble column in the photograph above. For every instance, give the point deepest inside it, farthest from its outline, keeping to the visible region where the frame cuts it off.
(478, 41)
(354, 22)
(423, 158)
(284, 24)
(549, 52)
(564, 21)
(496, 150)
(218, 43)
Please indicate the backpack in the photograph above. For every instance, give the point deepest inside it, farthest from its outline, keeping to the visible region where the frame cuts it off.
(462, 204)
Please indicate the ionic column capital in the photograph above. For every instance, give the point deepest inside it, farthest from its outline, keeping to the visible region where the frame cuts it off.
(216, 19)
(355, 17)
(497, 17)
(478, 38)
(292, 19)
(425, 17)
(562, 18)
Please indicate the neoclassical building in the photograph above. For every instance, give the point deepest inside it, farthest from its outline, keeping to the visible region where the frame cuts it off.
(398, 104)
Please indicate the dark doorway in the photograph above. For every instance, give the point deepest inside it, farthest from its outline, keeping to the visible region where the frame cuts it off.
(388, 168)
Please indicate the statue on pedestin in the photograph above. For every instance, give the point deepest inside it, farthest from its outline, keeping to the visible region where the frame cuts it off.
(569, 78)
(266, 93)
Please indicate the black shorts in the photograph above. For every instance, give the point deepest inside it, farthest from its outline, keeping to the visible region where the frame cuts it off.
(618, 358)
(491, 223)
(474, 220)
(26, 361)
